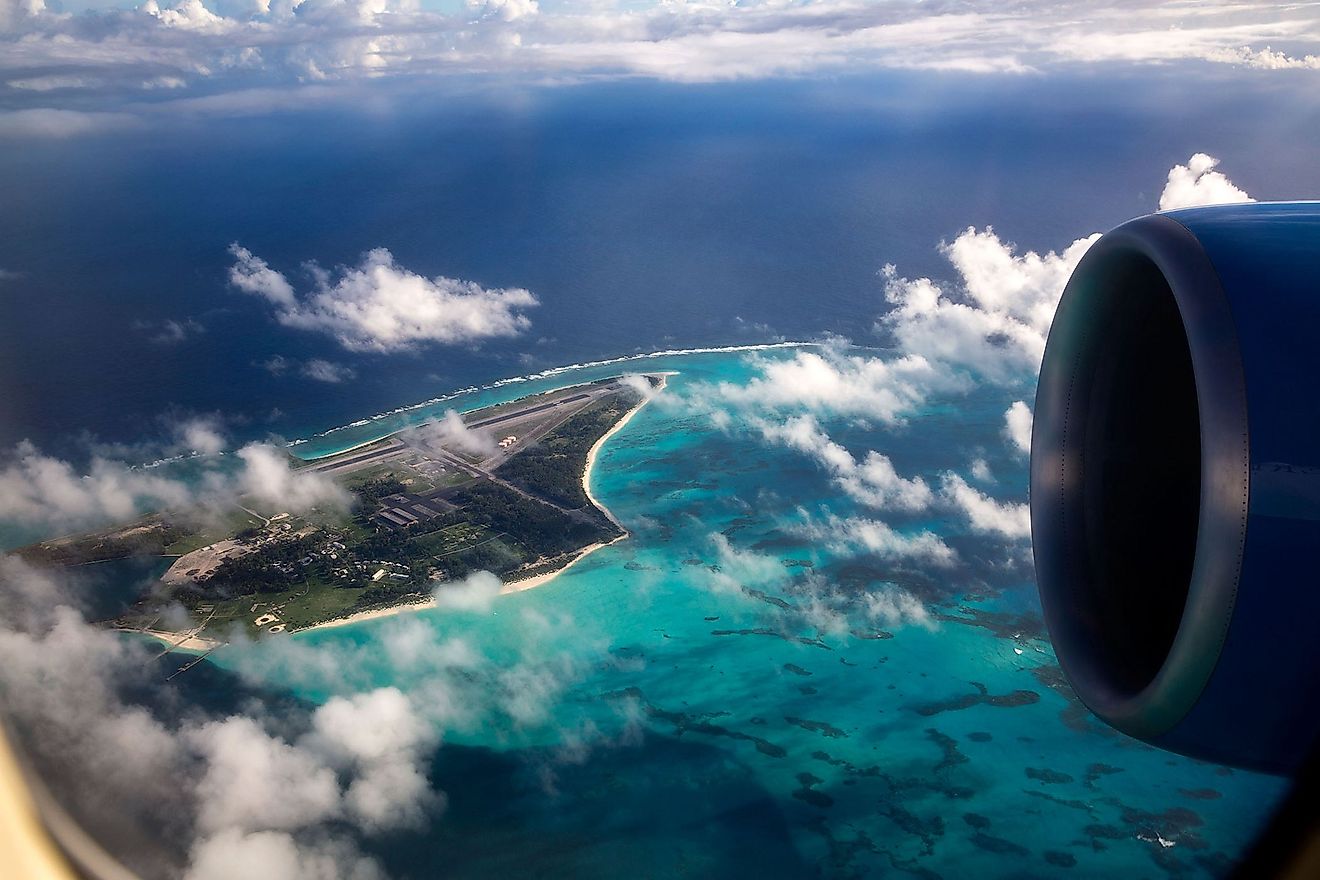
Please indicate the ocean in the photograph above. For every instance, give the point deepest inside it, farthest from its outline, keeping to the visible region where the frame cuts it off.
(692, 702)
(644, 216)
(715, 695)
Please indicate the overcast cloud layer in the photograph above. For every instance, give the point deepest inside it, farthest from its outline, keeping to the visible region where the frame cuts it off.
(245, 54)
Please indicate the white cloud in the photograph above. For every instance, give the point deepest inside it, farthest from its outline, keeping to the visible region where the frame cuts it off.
(284, 796)
(832, 381)
(737, 569)
(252, 798)
(247, 52)
(814, 602)
(57, 123)
(256, 782)
(451, 431)
(363, 761)
(851, 535)
(38, 489)
(252, 274)
(191, 15)
(996, 321)
(640, 384)
(1265, 59)
(326, 371)
(985, 514)
(892, 607)
(1017, 426)
(380, 738)
(267, 475)
(276, 855)
(872, 481)
(316, 369)
(378, 306)
(41, 491)
(506, 10)
(170, 331)
(475, 593)
(1196, 183)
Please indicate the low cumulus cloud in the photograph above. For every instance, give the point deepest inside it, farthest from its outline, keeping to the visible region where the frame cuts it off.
(220, 792)
(984, 514)
(1017, 426)
(41, 490)
(378, 306)
(292, 792)
(327, 371)
(813, 602)
(983, 332)
(316, 369)
(873, 481)
(873, 537)
(452, 432)
(169, 331)
(1197, 183)
(994, 323)
(834, 380)
(893, 607)
(475, 593)
(268, 476)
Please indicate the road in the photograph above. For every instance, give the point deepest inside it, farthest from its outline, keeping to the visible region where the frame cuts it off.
(441, 454)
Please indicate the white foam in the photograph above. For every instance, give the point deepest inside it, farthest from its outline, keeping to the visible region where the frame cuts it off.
(549, 374)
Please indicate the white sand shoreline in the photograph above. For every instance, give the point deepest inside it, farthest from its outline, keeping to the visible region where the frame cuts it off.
(187, 640)
(191, 641)
(536, 580)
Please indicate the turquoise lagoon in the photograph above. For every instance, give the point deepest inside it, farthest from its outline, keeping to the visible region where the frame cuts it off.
(710, 698)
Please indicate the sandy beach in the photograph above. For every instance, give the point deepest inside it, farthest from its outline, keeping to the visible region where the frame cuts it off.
(536, 580)
(372, 614)
(185, 641)
(192, 641)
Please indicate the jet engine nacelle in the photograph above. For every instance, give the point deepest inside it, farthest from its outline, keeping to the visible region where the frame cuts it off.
(1175, 482)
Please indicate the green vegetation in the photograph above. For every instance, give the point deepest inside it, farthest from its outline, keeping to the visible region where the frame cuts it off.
(294, 571)
(540, 528)
(370, 493)
(552, 469)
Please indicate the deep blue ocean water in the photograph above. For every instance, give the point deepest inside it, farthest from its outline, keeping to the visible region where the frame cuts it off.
(650, 217)
(645, 216)
(697, 720)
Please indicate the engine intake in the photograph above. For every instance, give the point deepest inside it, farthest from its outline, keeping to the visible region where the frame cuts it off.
(1175, 481)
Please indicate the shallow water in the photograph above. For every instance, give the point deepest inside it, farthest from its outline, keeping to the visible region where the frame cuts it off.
(671, 711)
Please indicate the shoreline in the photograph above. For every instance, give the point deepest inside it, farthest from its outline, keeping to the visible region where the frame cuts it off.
(190, 640)
(534, 581)
(532, 377)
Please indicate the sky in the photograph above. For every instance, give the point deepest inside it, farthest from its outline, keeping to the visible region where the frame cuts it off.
(69, 72)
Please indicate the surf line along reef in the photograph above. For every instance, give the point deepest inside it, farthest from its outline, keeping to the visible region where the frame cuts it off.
(504, 489)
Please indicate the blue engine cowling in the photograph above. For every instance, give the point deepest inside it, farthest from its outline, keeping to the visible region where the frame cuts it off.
(1175, 481)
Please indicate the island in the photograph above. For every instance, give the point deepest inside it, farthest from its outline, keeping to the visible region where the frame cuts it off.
(503, 489)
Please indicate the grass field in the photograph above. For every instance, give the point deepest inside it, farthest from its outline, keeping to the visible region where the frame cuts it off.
(451, 539)
(231, 523)
(304, 604)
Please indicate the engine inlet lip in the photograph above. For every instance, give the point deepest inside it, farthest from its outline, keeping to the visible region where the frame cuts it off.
(1225, 470)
